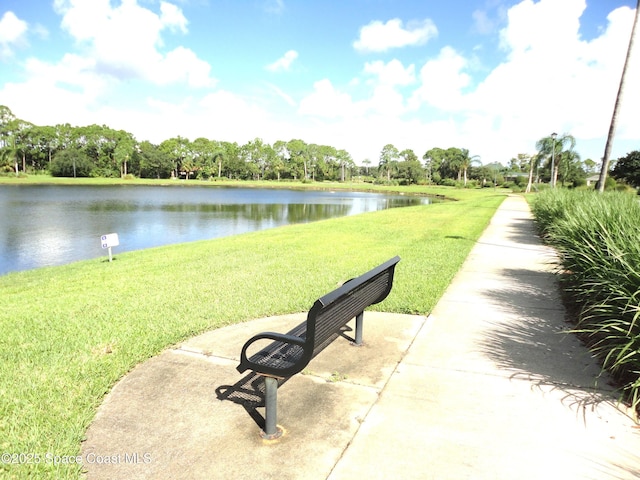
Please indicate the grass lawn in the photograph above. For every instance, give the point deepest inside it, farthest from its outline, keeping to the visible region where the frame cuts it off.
(70, 332)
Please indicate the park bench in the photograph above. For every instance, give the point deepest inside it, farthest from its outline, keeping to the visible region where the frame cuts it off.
(288, 354)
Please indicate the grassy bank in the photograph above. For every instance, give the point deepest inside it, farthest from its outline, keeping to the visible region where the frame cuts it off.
(434, 190)
(598, 240)
(70, 332)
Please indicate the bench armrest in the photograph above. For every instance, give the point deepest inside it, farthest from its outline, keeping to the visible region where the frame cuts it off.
(246, 364)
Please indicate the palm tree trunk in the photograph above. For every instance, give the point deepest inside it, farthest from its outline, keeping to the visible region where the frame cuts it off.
(614, 118)
(530, 181)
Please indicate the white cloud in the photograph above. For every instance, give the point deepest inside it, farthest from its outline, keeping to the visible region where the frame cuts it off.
(386, 99)
(327, 102)
(125, 41)
(12, 32)
(73, 71)
(443, 80)
(542, 26)
(221, 115)
(380, 37)
(81, 18)
(284, 62)
(181, 65)
(392, 73)
(71, 86)
(381, 97)
(172, 17)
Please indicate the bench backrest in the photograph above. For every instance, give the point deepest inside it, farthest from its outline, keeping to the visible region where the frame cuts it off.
(335, 309)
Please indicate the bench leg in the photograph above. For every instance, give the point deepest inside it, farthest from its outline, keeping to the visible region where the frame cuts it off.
(359, 322)
(271, 429)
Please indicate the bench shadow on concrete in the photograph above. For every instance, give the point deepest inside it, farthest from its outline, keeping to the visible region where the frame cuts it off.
(249, 391)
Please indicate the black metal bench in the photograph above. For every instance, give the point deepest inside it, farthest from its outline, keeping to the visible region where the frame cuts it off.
(290, 353)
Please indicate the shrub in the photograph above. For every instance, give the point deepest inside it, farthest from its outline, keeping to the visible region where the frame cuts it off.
(520, 181)
(448, 182)
(580, 182)
(71, 163)
(105, 172)
(610, 183)
(596, 237)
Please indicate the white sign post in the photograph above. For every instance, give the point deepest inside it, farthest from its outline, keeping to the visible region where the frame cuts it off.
(109, 240)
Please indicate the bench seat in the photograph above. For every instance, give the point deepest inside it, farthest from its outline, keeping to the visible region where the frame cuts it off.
(289, 353)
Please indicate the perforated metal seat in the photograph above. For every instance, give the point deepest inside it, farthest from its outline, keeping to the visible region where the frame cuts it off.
(290, 353)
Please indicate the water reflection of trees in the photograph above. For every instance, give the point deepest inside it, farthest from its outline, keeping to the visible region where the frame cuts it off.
(258, 212)
(292, 212)
(55, 225)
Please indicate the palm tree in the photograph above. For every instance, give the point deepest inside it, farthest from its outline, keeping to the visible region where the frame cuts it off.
(388, 158)
(366, 162)
(562, 154)
(570, 162)
(465, 162)
(545, 147)
(555, 146)
(534, 161)
(614, 117)
(452, 163)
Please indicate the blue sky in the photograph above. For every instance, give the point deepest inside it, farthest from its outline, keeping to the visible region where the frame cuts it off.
(493, 76)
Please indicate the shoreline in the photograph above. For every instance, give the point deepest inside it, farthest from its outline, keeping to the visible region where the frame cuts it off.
(436, 191)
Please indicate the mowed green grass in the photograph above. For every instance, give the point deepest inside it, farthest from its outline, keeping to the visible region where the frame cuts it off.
(69, 333)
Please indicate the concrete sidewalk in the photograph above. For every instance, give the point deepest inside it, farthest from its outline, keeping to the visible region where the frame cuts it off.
(486, 387)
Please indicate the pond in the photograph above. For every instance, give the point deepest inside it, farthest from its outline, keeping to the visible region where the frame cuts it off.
(45, 225)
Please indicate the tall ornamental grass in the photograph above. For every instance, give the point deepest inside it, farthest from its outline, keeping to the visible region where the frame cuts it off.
(597, 238)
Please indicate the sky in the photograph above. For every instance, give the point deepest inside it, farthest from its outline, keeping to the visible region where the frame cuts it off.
(492, 76)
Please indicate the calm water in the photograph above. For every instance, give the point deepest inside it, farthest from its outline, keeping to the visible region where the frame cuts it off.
(52, 225)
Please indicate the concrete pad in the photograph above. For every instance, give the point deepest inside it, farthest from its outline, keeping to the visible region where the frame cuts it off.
(189, 414)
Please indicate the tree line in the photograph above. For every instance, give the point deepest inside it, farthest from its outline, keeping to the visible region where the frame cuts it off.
(100, 151)
(94, 150)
